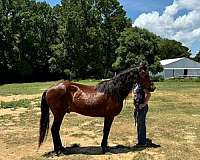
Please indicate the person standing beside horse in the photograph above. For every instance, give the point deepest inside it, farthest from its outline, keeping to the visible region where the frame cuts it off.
(141, 99)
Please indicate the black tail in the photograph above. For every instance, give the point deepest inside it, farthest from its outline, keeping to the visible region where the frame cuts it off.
(44, 119)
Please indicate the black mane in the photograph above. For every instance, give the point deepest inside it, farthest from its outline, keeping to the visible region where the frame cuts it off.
(120, 85)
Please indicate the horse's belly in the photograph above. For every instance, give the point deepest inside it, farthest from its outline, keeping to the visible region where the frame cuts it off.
(97, 107)
(90, 105)
(93, 111)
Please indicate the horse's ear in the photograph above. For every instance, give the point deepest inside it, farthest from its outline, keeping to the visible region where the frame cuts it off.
(143, 67)
(140, 68)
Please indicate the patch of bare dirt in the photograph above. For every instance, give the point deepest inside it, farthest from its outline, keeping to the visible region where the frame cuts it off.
(14, 112)
(18, 97)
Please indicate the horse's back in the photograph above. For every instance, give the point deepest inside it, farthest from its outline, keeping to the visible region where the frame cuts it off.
(83, 87)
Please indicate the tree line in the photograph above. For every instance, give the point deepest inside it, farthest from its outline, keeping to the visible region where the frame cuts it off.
(78, 39)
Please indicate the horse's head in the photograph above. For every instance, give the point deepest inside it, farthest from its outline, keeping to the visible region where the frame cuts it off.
(144, 79)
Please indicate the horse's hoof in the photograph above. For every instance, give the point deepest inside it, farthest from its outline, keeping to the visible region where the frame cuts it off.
(105, 149)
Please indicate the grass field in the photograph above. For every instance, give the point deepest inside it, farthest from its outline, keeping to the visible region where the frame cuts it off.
(173, 121)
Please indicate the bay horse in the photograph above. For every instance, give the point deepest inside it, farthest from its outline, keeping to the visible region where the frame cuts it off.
(103, 100)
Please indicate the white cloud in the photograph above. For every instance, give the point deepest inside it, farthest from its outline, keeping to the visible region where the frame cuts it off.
(184, 28)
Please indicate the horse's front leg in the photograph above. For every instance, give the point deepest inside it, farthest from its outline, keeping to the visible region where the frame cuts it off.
(107, 125)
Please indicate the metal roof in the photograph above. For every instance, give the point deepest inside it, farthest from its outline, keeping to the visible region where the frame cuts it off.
(168, 61)
(180, 63)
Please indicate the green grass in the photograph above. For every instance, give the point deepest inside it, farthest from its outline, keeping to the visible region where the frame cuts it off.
(39, 87)
(178, 86)
(16, 104)
(24, 88)
(33, 88)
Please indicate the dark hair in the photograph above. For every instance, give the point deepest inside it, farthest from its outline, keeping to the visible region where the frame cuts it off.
(143, 66)
(120, 85)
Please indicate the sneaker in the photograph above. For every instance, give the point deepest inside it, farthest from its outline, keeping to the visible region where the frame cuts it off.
(140, 145)
(153, 145)
(148, 141)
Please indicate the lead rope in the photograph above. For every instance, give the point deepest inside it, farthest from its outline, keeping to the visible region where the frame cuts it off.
(135, 110)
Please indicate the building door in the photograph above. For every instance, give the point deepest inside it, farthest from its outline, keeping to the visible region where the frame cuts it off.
(185, 72)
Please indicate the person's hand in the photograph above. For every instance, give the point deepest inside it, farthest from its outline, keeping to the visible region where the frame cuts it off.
(142, 106)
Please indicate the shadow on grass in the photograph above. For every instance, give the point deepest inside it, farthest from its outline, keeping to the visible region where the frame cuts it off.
(96, 150)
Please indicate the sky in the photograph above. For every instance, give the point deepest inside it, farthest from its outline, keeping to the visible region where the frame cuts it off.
(172, 19)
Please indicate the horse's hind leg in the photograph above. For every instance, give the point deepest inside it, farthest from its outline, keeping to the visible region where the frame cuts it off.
(107, 125)
(55, 133)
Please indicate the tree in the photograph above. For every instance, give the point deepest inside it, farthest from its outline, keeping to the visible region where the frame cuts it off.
(27, 31)
(197, 57)
(137, 46)
(91, 30)
(172, 49)
(78, 39)
(9, 52)
(113, 22)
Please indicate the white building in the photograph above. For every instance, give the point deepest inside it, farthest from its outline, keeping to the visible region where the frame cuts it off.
(180, 67)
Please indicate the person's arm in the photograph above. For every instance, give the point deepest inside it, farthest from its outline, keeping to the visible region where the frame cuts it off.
(147, 97)
(146, 100)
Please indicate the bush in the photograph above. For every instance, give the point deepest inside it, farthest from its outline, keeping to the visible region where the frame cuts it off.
(158, 78)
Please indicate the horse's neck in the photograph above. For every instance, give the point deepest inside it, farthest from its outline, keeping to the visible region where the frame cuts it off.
(122, 87)
(119, 86)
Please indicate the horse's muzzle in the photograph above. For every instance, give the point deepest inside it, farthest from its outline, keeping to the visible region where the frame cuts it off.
(152, 88)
